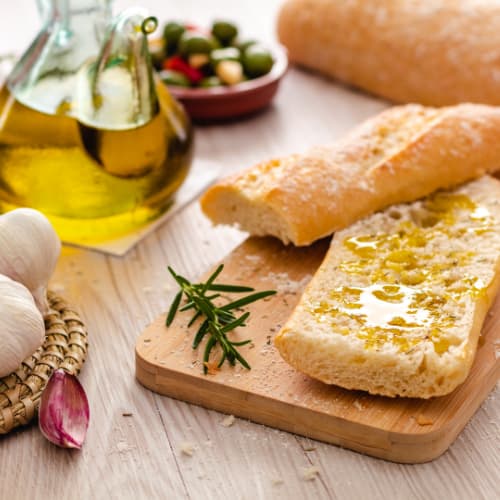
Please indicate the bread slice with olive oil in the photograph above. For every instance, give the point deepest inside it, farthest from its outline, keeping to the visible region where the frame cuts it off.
(397, 306)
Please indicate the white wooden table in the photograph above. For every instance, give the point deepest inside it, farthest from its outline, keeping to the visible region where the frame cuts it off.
(139, 456)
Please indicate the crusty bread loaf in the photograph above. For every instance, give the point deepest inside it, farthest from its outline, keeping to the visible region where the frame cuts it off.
(397, 306)
(434, 52)
(400, 155)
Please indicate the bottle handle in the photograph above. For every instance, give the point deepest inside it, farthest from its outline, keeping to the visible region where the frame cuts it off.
(43, 8)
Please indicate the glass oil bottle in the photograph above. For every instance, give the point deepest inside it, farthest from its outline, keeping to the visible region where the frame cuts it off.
(95, 143)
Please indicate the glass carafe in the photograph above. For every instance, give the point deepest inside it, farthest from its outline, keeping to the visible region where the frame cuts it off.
(87, 134)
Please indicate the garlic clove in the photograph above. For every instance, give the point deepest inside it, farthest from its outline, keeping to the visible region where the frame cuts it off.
(41, 299)
(64, 411)
(22, 329)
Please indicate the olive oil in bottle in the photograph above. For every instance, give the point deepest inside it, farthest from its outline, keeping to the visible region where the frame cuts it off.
(92, 184)
(89, 138)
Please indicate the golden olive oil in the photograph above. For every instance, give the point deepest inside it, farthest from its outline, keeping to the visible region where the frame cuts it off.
(92, 184)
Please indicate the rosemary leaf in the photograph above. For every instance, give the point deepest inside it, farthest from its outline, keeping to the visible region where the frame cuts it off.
(243, 342)
(230, 288)
(212, 297)
(189, 305)
(226, 316)
(202, 331)
(210, 280)
(177, 277)
(222, 359)
(247, 300)
(241, 359)
(173, 308)
(237, 322)
(196, 315)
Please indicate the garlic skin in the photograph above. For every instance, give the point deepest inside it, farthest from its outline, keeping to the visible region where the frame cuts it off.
(29, 249)
(64, 413)
(22, 329)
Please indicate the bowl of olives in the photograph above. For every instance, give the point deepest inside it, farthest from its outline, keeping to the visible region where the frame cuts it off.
(216, 74)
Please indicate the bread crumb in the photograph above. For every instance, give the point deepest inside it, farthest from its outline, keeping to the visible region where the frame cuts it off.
(228, 421)
(276, 481)
(357, 404)
(423, 420)
(187, 448)
(212, 367)
(310, 448)
(310, 473)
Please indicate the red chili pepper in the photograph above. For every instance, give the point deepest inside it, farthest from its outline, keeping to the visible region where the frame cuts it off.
(198, 29)
(176, 63)
(193, 27)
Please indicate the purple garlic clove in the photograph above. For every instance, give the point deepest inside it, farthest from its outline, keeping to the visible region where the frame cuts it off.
(64, 413)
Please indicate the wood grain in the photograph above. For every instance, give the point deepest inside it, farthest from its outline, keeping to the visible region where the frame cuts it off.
(272, 393)
(139, 456)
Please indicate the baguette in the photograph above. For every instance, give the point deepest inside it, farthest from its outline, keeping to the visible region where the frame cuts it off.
(433, 52)
(400, 155)
(397, 306)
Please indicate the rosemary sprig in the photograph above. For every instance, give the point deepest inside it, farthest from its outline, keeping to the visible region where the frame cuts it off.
(218, 321)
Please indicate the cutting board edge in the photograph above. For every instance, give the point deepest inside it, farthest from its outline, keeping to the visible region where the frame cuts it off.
(409, 448)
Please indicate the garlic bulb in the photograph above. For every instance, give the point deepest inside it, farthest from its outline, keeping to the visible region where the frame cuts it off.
(21, 325)
(29, 249)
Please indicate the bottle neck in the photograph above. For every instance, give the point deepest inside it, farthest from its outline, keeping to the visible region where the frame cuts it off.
(43, 78)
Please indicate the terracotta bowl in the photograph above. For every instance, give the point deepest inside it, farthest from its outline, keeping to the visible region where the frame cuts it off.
(225, 103)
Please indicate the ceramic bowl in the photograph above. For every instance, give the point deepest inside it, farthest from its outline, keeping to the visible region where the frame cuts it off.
(225, 103)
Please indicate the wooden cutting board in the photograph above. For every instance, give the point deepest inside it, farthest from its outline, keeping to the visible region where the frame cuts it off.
(273, 393)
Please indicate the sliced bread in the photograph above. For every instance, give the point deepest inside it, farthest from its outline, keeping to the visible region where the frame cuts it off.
(397, 306)
(400, 155)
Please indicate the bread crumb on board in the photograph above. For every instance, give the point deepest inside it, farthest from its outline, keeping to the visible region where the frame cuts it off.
(310, 473)
(357, 404)
(187, 448)
(276, 481)
(228, 421)
(423, 420)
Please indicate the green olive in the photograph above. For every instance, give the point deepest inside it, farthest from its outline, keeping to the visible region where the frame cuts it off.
(171, 34)
(193, 42)
(171, 77)
(210, 81)
(257, 61)
(224, 31)
(226, 54)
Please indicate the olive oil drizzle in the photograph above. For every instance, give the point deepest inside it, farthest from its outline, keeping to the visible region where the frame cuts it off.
(404, 302)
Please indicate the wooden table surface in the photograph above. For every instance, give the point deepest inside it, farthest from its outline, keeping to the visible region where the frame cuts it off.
(139, 456)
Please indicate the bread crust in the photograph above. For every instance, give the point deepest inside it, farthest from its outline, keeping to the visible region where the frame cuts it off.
(401, 314)
(435, 53)
(400, 155)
